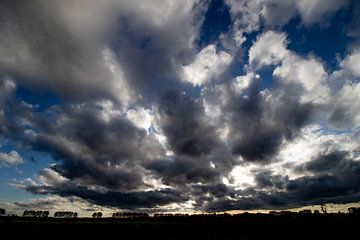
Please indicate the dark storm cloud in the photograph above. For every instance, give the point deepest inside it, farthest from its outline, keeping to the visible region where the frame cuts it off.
(267, 180)
(259, 125)
(194, 141)
(149, 56)
(183, 122)
(335, 179)
(42, 51)
(68, 46)
(95, 151)
(152, 54)
(45, 204)
(182, 170)
(6, 90)
(125, 200)
(326, 162)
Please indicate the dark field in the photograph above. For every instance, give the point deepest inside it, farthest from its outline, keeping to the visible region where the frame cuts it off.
(330, 226)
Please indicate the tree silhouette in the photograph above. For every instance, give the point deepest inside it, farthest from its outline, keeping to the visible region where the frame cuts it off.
(66, 214)
(97, 215)
(323, 209)
(2, 211)
(45, 214)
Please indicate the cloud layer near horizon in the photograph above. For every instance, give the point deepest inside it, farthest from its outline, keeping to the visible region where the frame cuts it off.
(147, 119)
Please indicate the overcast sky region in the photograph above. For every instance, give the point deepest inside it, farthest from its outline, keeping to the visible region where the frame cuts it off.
(179, 105)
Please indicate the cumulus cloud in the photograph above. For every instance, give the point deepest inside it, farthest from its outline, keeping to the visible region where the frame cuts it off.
(12, 158)
(207, 65)
(351, 62)
(344, 112)
(315, 11)
(73, 48)
(251, 12)
(309, 73)
(269, 49)
(109, 152)
(251, 15)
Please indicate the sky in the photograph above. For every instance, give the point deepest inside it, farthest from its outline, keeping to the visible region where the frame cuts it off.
(180, 106)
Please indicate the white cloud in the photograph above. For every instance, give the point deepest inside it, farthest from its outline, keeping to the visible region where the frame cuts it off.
(278, 12)
(242, 176)
(269, 48)
(140, 117)
(312, 11)
(12, 158)
(207, 64)
(243, 82)
(352, 62)
(345, 107)
(49, 177)
(108, 110)
(246, 13)
(309, 72)
(163, 11)
(308, 145)
(120, 87)
(249, 15)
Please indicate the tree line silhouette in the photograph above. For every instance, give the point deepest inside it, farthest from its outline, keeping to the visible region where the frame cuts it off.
(66, 214)
(97, 215)
(32, 213)
(137, 215)
(130, 215)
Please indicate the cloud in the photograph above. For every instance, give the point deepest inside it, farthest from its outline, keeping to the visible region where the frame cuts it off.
(257, 122)
(181, 171)
(324, 162)
(344, 112)
(158, 48)
(312, 11)
(344, 84)
(7, 87)
(207, 65)
(140, 117)
(280, 192)
(269, 49)
(12, 158)
(351, 62)
(124, 200)
(46, 40)
(277, 13)
(251, 15)
(308, 73)
(183, 122)
(147, 120)
(77, 54)
(313, 169)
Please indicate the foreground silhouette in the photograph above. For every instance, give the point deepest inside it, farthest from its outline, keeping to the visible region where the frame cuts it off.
(277, 225)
